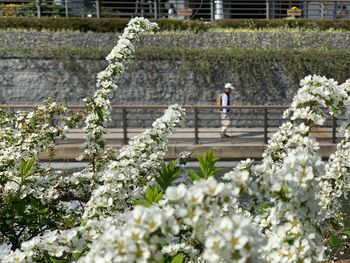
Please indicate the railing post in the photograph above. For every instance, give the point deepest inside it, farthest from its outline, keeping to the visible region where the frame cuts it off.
(38, 8)
(125, 126)
(66, 8)
(97, 3)
(212, 12)
(265, 125)
(195, 126)
(267, 9)
(334, 130)
(155, 8)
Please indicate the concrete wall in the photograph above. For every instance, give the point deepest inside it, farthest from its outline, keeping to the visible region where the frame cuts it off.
(26, 80)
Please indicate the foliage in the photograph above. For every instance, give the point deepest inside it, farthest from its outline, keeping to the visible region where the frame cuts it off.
(152, 196)
(298, 62)
(25, 213)
(167, 175)
(206, 163)
(117, 25)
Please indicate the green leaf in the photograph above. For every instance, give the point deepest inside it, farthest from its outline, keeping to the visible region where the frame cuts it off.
(167, 174)
(142, 202)
(26, 166)
(193, 175)
(207, 163)
(164, 260)
(20, 207)
(347, 232)
(207, 167)
(334, 241)
(99, 114)
(178, 259)
(58, 260)
(149, 194)
(152, 195)
(43, 210)
(76, 255)
(264, 207)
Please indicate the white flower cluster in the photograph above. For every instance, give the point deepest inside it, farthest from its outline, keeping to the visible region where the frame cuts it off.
(27, 134)
(336, 181)
(99, 106)
(308, 106)
(135, 166)
(293, 192)
(190, 220)
(293, 178)
(23, 182)
(57, 244)
(233, 239)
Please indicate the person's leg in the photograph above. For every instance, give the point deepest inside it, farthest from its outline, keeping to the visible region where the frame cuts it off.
(225, 123)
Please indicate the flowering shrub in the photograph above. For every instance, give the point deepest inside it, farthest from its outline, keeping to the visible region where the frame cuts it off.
(135, 208)
(99, 106)
(29, 203)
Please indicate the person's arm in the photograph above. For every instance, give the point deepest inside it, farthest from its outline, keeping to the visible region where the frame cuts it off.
(224, 102)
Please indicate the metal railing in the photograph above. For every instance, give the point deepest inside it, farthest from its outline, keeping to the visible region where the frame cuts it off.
(250, 123)
(180, 9)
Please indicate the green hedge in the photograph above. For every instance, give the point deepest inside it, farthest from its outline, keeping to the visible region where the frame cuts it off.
(117, 25)
(285, 23)
(298, 63)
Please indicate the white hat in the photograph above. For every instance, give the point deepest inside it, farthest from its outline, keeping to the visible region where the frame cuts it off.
(229, 86)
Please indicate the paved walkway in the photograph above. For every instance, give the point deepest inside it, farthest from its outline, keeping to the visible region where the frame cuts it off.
(243, 143)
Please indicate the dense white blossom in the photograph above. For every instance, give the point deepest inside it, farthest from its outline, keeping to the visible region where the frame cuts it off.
(99, 106)
(125, 178)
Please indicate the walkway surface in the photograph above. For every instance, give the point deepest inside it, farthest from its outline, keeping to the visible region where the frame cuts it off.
(243, 143)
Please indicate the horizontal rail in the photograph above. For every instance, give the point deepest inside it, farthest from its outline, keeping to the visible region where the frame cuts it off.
(203, 125)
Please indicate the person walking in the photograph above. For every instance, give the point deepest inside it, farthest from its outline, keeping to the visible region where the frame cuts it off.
(224, 100)
(172, 11)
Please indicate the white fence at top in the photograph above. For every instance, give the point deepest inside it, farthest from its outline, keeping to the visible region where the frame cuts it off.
(180, 9)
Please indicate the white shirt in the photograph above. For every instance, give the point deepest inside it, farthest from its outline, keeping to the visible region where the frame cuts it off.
(224, 102)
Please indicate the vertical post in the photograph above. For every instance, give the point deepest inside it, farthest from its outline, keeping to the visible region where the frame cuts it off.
(273, 9)
(142, 10)
(267, 9)
(306, 11)
(219, 12)
(334, 130)
(155, 4)
(212, 12)
(97, 8)
(125, 126)
(265, 125)
(195, 126)
(66, 7)
(38, 9)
